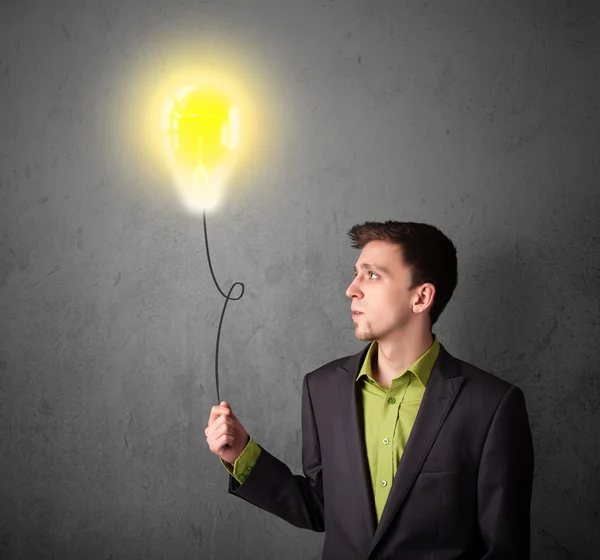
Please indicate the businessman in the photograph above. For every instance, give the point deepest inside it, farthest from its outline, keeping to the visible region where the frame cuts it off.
(407, 452)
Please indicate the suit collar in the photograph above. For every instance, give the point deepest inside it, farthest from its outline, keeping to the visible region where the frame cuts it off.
(442, 389)
(446, 364)
(421, 368)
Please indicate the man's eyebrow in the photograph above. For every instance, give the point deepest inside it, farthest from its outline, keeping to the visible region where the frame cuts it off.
(374, 267)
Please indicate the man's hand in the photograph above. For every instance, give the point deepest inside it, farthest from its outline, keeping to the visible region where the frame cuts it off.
(225, 435)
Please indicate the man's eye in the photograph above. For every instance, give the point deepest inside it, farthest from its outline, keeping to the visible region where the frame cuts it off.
(372, 274)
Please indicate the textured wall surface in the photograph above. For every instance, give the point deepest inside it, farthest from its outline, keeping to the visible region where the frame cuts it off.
(479, 117)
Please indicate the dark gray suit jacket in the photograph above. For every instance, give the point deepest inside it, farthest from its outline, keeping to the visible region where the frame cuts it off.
(462, 488)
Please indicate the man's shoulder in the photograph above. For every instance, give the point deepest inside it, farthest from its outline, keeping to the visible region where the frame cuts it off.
(480, 380)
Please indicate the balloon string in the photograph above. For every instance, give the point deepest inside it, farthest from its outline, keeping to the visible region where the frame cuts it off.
(227, 298)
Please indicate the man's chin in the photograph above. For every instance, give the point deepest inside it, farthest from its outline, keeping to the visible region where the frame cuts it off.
(365, 337)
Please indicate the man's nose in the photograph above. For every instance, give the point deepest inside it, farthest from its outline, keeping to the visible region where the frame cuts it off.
(353, 289)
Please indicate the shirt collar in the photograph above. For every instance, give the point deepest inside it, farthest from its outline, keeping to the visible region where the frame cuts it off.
(421, 368)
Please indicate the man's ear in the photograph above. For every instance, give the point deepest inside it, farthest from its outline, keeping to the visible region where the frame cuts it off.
(425, 298)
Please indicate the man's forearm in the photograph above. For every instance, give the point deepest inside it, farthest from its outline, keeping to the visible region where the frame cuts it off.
(272, 487)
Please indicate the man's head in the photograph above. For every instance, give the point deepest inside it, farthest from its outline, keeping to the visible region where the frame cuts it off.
(405, 276)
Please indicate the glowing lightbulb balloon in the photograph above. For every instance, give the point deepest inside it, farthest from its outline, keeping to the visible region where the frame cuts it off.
(202, 133)
(202, 128)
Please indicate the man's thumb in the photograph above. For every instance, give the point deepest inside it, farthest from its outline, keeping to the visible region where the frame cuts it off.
(226, 405)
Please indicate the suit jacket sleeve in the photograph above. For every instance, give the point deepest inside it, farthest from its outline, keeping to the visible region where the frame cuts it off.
(272, 487)
(505, 481)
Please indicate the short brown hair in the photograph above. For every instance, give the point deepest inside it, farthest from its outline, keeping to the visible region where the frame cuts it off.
(426, 250)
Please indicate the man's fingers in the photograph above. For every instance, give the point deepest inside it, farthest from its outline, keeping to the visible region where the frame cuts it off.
(222, 428)
(217, 411)
(225, 440)
(224, 420)
(219, 426)
(221, 443)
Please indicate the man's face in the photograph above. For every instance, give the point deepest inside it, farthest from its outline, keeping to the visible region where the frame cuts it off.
(381, 292)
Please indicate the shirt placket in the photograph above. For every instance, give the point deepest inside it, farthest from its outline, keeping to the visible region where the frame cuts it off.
(385, 464)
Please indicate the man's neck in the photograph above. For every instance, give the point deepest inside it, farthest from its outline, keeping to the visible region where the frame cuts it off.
(396, 355)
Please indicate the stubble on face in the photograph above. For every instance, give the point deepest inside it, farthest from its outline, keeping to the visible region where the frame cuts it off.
(364, 332)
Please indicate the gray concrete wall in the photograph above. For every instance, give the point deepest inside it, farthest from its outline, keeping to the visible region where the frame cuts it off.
(479, 117)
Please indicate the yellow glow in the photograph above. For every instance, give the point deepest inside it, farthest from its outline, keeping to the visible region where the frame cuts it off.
(201, 128)
(150, 143)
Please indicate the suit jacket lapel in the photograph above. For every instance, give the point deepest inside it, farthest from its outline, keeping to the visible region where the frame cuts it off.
(352, 419)
(442, 389)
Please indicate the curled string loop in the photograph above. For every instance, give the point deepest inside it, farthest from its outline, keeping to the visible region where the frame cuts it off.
(228, 297)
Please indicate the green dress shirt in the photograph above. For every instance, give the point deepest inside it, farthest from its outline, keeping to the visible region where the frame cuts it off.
(389, 415)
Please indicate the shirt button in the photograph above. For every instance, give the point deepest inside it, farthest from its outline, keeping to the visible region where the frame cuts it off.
(392, 400)
(385, 441)
(383, 483)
